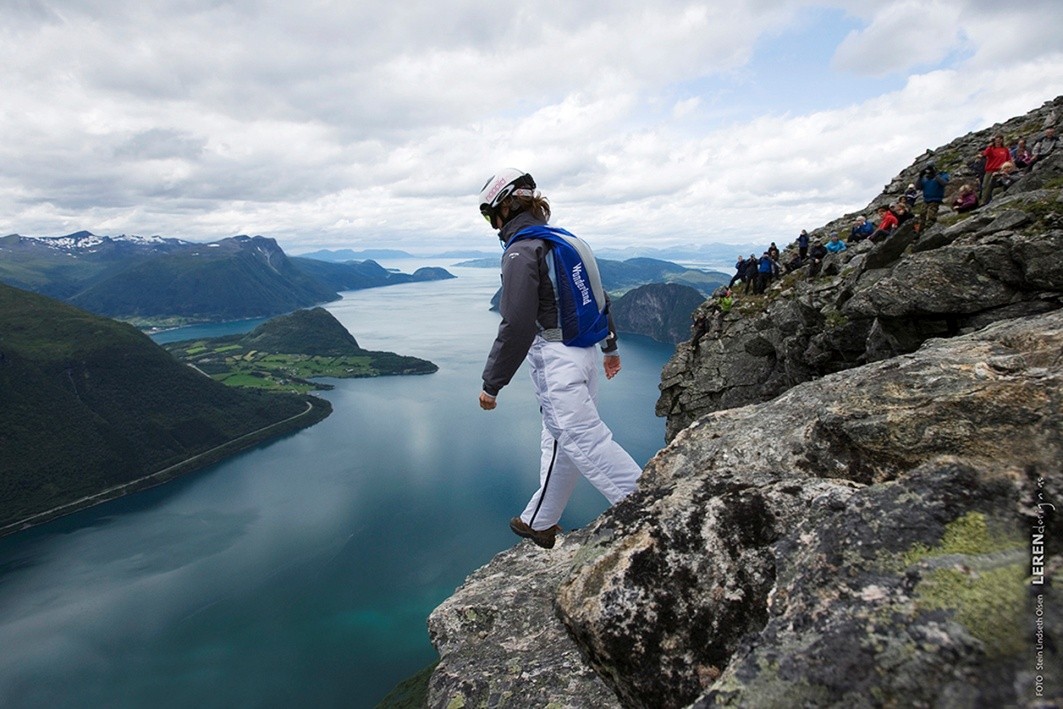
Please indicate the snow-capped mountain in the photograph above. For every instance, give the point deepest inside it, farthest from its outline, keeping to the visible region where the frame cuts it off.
(87, 242)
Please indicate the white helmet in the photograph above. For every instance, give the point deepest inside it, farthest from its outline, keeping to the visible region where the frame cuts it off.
(507, 183)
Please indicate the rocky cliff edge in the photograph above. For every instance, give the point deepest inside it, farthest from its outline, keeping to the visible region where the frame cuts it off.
(869, 521)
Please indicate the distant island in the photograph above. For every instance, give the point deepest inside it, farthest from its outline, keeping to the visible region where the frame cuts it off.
(342, 255)
(488, 262)
(288, 352)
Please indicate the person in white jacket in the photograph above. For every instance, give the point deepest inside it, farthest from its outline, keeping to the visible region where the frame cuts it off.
(575, 440)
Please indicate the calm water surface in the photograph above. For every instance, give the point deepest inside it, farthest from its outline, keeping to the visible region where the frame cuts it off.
(301, 573)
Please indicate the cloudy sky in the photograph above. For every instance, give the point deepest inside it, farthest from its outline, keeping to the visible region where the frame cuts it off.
(355, 124)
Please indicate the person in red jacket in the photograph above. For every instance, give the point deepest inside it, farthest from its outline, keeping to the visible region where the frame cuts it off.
(887, 222)
(995, 156)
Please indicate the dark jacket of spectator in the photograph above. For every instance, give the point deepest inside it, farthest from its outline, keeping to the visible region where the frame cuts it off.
(932, 183)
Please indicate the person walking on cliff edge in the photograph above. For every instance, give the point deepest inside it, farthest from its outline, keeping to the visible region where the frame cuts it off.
(537, 318)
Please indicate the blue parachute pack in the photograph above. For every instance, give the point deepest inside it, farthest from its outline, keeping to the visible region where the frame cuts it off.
(574, 272)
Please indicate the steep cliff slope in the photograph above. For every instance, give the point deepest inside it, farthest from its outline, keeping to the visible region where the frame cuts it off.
(877, 301)
(857, 505)
(866, 535)
(657, 310)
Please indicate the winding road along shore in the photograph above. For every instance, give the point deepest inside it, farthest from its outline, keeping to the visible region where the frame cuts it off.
(168, 473)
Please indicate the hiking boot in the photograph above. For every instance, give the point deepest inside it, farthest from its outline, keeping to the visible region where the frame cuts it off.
(544, 538)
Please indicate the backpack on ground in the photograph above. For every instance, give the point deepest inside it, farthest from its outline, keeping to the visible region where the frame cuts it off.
(581, 304)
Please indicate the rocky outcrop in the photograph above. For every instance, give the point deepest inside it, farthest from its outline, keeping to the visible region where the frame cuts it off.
(856, 506)
(657, 310)
(500, 643)
(864, 535)
(873, 301)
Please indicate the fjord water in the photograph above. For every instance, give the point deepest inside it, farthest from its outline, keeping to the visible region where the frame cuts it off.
(301, 573)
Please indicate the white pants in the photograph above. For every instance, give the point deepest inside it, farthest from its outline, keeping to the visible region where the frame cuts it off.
(575, 441)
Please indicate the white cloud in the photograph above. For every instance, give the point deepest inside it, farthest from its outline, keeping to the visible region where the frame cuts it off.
(354, 123)
(903, 35)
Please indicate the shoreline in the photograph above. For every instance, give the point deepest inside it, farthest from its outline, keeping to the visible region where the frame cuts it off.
(318, 409)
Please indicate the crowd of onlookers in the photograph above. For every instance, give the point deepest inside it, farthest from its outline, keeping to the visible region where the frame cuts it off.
(995, 168)
(756, 273)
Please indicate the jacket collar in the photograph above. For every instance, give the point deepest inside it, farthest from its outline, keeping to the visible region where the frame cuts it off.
(522, 220)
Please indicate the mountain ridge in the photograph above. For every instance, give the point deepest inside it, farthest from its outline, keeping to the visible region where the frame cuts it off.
(155, 279)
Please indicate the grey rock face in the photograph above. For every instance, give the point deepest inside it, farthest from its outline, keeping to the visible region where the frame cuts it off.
(500, 643)
(1000, 263)
(658, 310)
(760, 540)
(863, 535)
(877, 301)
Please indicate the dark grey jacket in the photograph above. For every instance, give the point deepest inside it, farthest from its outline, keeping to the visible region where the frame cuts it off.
(528, 305)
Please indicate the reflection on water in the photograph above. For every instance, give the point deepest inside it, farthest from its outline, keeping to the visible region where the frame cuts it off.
(302, 571)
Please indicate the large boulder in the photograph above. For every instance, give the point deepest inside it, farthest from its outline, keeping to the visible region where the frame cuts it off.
(501, 644)
(865, 535)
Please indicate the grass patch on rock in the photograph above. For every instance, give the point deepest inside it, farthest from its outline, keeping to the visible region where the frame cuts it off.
(975, 575)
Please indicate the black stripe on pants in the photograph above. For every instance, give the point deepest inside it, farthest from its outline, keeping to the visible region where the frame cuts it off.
(546, 483)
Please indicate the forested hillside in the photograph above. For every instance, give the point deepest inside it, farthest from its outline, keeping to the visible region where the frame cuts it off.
(89, 403)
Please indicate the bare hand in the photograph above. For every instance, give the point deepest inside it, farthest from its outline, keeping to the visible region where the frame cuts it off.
(611, 365)
(487, 402)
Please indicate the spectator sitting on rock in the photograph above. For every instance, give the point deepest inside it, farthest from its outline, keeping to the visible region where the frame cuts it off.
(862, 229)
(708, 318)
(887, 222)
(815, 258)
(795, 263)
(903, 213)
(835, 245)
(1021, 155)
(726, 301)
(1044, 147)
(977, 166)
(932, 183)
(966, 199)
(704, 313)
(1005, 176)
(910, 195)
(995, 156)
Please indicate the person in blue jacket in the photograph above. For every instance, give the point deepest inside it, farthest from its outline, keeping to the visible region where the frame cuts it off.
(862, 229)
(835, 245)
(574, 439)
(765, 269)
(933, 184)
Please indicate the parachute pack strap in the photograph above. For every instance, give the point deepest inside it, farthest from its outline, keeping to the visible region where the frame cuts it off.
(580, 295)
(540, 231)
(557, 235)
